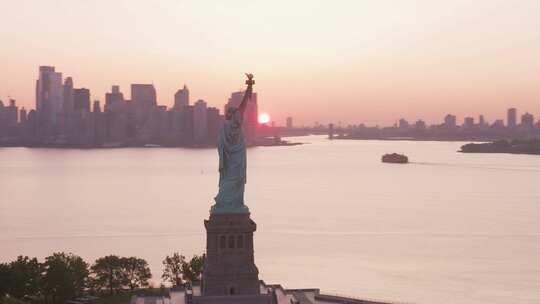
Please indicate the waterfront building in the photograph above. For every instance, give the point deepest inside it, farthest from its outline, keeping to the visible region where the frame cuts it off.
(98, 124)
(420, 125)
(527, 121)
(11, 114)
(181, 98)
(289, 122)
(186, 120)
(143, 100)
(269, 293)
(68, 96)
(511, 118)
(23, 116)
(214, 123)
(143, 95)
(114, 99)
(9, 118)
(96, 107)
(481, 121)
(49, 99)
(468, 122)
(403, 124)
(498, 124)
(3, 121)
(450, 121)
(81, 129)
(200, 127)
(81, 99)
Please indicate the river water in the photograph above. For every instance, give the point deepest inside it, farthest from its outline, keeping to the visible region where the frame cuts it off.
(446, 228)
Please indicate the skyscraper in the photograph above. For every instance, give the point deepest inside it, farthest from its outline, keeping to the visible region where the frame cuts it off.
(81, 100)
(49, 98)
(289, 122)
(450, 121)
(200, 130)
(12, 113)
(214, 123)
(181, 98)
(468, 122)
(144, 102)
(481, 121)
(403, 123)
(143, 95)
(96, 107)
(420, 125)
(186, 125)
(114, 99)
(511, 118)
(68, 96)
(251, 113)
(527, 121)
(23, 115)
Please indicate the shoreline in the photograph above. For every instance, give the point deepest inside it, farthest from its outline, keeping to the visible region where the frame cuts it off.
(143, 146)
(527, 147)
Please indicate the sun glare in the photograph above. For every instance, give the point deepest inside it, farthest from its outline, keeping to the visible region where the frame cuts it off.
(264, 118)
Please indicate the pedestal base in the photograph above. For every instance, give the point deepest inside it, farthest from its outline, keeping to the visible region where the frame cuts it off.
(230, 268)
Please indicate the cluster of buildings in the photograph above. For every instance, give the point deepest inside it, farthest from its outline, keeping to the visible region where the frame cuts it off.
(526, 123)
(268, 294)
(449, 129)
(67, 116)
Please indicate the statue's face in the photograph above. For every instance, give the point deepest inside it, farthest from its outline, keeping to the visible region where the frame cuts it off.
(230, 113)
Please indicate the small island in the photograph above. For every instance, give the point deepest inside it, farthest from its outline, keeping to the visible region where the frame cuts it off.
(516, 146)
(395, 158)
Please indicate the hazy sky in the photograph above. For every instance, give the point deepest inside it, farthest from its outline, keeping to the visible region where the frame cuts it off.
(349, 61)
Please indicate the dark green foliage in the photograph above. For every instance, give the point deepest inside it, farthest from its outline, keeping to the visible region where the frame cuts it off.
(65, 277)
(192, 270)
(177, 270)
(517, 146)
(6, 279)
(137, 272)
(172, 271)
(113, 273)
(107, 274)
(9, 300)
(20, 278)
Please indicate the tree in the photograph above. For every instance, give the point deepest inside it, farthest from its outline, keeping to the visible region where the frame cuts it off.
(6, 279)
(172, 270)
(136, 272)
(22, 277)
(192, 270)
(107, 273)
(65, 276)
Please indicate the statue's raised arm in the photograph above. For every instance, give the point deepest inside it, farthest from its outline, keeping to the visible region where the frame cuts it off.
(247, 95)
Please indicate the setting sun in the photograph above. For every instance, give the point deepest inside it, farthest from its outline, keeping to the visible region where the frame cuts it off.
(264, 118)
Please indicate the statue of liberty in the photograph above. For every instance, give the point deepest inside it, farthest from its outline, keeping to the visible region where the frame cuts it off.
(232, 159)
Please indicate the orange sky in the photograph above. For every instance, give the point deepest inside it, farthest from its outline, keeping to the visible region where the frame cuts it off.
(350, 61)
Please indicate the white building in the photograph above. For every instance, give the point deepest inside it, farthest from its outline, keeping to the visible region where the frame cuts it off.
(269, 294)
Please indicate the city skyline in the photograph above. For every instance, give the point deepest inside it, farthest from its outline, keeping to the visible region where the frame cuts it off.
(83, 98)
(370, 61)
(64, 115)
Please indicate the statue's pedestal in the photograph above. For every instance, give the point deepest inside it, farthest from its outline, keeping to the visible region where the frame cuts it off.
(230, 268)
